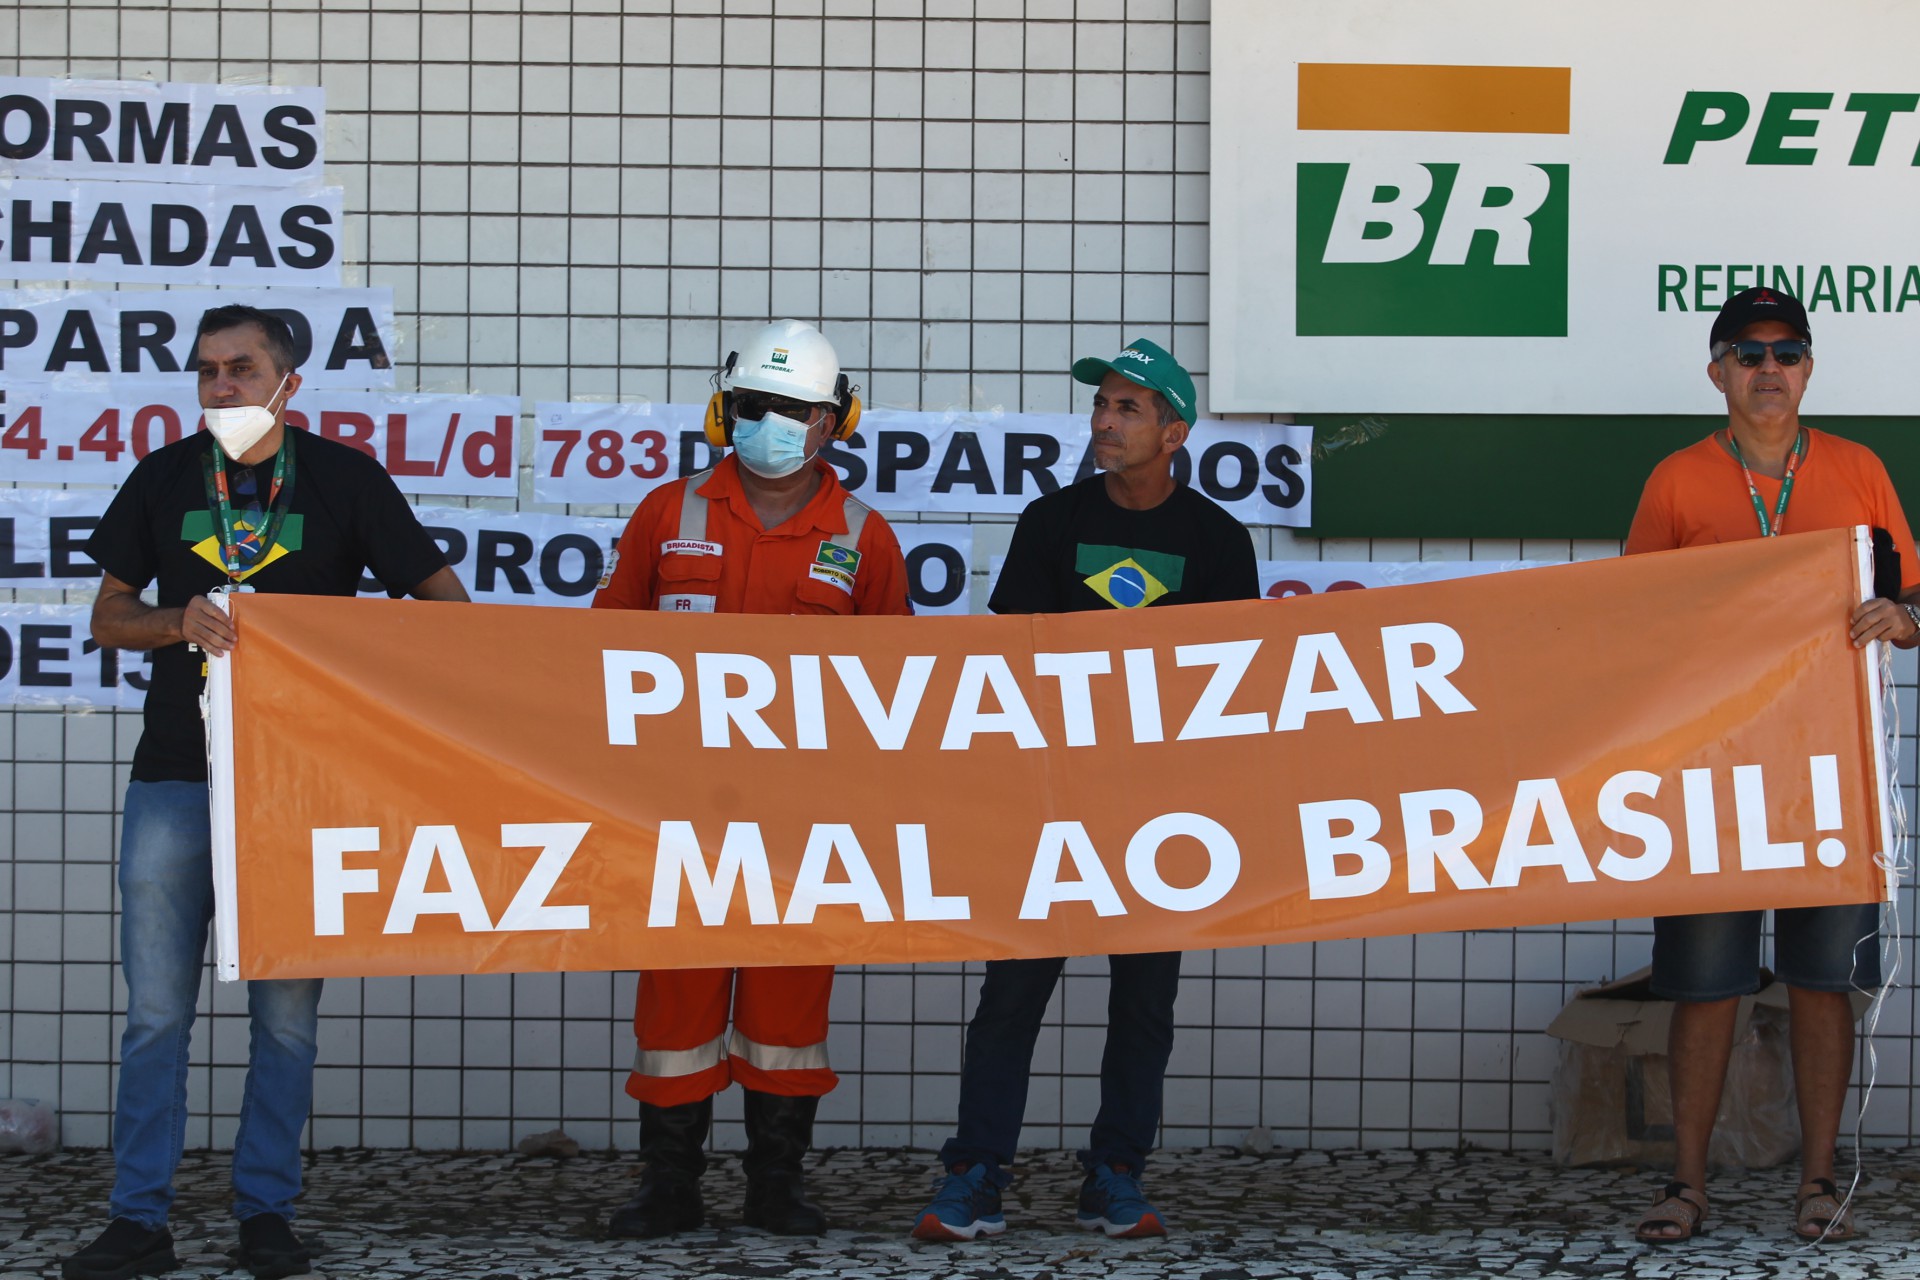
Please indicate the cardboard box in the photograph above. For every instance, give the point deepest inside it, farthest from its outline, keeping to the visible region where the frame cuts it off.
(1611, 1102)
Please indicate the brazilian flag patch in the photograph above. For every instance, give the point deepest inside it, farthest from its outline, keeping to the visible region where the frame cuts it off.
(1128, 578)
(834, 556)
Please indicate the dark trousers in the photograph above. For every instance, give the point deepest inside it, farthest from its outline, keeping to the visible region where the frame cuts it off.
(999, 1059)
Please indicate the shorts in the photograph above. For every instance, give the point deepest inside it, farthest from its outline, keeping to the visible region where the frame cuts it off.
(1717, 956)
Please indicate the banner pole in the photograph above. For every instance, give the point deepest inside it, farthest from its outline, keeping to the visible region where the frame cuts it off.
(1876, 709)
(216, 709)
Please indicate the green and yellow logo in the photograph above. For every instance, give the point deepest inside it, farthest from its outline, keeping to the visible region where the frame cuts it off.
(1127, 578)
(1394, 246)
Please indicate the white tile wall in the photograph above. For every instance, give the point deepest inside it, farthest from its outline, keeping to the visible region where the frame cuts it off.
(967, 193)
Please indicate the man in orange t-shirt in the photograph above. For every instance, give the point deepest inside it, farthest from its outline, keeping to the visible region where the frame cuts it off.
(1767, 473)
(770, 529)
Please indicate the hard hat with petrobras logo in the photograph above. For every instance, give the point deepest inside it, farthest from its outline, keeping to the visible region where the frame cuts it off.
(787, 358)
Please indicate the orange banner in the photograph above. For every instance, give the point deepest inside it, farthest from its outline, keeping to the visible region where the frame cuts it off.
(409, 788)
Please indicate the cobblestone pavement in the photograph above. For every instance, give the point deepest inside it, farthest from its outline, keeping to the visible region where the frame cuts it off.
(1382, 1215)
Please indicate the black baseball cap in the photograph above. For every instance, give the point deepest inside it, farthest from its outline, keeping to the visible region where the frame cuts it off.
(1751, 306)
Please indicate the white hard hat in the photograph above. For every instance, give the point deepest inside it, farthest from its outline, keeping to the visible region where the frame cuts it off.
(787, 358)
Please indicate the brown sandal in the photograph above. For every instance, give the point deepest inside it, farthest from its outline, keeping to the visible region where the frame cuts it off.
(1819, 1215)
(1678, 1205)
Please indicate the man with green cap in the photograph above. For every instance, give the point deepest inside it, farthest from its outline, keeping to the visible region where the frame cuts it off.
(1127, 537)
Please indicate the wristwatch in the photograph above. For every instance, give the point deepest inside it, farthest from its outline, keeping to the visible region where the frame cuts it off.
(1913, 612)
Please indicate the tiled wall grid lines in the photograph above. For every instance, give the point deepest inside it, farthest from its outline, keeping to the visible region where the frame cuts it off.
(588, 202)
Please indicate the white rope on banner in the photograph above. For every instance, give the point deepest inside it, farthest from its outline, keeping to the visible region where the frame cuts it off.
(1897, 862)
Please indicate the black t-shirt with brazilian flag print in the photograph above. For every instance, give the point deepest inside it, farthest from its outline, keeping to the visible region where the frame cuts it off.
(1076, 549)
(346, 517)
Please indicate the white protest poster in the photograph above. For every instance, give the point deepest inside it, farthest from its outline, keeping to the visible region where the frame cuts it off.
(341, 337)
(48, 659)
(538, 557)
(1454, 208)
(997, 464)
(939, 567)
(922, 463)
(431, 444)
(520, 557)
(170, 234)
(1284, 579)
(253, 135)
(43, 534)
(91, 431)
(505, 557)
(614, 453)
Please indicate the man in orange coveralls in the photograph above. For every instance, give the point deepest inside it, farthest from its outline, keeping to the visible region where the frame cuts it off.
(769, 529)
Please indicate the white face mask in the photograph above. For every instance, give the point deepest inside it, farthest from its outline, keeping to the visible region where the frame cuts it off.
(771, 447)
(237, 428)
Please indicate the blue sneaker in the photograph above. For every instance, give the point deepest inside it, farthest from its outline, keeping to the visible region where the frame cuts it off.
(1111, 1201)
(968, 1205)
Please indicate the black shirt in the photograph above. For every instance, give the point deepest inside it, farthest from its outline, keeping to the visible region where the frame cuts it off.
(1077, 549)
(346, 516)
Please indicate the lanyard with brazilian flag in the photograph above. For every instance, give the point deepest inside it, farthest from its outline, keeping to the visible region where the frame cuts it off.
(242, 550)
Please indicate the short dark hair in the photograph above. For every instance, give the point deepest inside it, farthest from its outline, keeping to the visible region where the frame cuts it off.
(1167, 412)
(278, 333)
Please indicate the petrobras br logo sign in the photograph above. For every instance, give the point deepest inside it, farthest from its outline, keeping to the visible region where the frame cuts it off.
(1392, 243)
(1425, 208)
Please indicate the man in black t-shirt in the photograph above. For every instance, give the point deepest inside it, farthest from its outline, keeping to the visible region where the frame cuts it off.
(1127, 538)
(247, 505)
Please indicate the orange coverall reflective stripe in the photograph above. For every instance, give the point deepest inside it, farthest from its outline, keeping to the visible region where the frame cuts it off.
(733, 565)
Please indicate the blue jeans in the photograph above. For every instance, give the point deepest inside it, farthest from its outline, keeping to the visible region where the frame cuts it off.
(999, 1060)
(166, 904)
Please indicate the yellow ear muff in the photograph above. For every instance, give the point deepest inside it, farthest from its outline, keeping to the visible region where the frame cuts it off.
(716, 424)
(848, 406)
(849, 417)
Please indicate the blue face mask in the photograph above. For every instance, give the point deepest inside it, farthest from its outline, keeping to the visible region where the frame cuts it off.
(770, 447)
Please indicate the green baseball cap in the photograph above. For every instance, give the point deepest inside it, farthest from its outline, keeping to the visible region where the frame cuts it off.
(1150, 366)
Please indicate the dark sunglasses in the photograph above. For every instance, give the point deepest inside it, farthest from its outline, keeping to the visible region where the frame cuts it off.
(1786, 353)
(756, 405)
